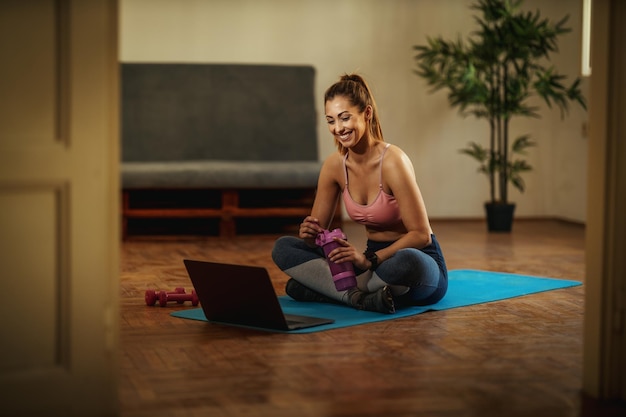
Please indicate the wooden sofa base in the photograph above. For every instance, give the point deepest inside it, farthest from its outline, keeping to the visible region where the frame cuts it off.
(227, 207)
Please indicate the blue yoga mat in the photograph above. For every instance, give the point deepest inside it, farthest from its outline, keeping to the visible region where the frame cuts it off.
(465, 287)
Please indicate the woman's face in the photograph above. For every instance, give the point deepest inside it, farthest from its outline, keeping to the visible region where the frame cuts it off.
(347, 124)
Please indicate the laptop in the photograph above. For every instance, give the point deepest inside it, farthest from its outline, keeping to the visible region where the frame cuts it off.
(242, 295)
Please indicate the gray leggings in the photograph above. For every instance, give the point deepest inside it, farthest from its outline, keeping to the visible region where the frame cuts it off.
(422, 272)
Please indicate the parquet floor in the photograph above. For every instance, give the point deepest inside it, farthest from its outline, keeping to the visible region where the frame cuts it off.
(518, 357)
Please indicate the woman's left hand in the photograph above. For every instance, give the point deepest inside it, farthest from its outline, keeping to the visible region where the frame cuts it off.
(348, 253)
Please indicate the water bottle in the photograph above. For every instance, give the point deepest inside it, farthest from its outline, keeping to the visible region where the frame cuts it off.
(343, 273)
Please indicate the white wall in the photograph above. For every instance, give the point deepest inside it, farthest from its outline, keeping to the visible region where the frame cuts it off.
(375, 38)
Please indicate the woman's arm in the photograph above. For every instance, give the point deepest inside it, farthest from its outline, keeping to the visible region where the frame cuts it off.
(399, 176)
(326, 199)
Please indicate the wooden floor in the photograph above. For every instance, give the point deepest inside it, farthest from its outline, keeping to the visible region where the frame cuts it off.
(519, 357)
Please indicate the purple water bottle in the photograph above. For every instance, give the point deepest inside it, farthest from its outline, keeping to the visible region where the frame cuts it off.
(343, 273)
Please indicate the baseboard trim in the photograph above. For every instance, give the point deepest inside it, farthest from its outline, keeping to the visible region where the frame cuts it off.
(516, 219)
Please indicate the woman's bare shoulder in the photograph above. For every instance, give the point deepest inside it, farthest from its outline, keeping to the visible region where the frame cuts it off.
(333, 161)
(396, 157)
(332, 169)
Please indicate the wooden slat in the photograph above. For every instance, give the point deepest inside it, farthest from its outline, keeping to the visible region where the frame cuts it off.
(229, 210)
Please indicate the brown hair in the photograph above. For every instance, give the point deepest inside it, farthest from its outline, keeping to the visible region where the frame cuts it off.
(355, 89)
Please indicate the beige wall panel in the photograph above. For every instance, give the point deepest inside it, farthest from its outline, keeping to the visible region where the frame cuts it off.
(31, 232)
(30, 59)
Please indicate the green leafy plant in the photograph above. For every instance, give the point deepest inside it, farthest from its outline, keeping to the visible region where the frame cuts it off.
(492, 75)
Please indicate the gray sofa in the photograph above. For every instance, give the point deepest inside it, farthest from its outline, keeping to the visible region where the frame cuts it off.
(217, 142)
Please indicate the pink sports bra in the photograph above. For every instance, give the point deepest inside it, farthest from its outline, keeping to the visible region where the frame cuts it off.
(381, 213)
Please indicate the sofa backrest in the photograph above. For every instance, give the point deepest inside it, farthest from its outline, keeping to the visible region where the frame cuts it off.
(218, 111)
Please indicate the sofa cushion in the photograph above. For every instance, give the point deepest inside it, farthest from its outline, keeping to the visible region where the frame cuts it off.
(220, 174)
(177, 112)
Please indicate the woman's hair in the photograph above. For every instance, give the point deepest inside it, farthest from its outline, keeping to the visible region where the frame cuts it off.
(355, 89)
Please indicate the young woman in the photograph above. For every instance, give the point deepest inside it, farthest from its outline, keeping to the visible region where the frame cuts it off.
(403, 263)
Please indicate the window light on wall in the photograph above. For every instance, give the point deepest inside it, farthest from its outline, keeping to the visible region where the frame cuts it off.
(586, 39)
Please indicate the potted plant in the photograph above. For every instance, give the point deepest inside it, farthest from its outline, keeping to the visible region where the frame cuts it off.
(492, 75)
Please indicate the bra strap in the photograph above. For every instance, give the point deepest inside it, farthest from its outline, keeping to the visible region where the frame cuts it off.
(380, 176)
(345, 169)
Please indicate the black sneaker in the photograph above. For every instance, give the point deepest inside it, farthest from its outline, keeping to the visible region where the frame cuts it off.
(380, 301)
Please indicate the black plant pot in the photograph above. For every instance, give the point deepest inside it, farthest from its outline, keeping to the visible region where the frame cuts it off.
(499, 217)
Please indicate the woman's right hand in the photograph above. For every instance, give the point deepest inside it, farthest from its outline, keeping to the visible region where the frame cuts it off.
(309, 229)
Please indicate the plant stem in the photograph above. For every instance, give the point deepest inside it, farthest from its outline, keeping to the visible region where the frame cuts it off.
(492, 157)
(500, 92)
(504, 166)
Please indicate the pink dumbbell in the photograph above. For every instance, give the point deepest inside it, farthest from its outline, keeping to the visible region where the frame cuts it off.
(152, 296)
(164, 297)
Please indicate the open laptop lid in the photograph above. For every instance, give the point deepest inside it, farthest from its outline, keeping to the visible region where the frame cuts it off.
(242, 295)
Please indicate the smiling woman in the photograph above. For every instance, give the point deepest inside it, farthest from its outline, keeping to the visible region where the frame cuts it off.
(352, 91)
(344, 125)
(403, 263)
